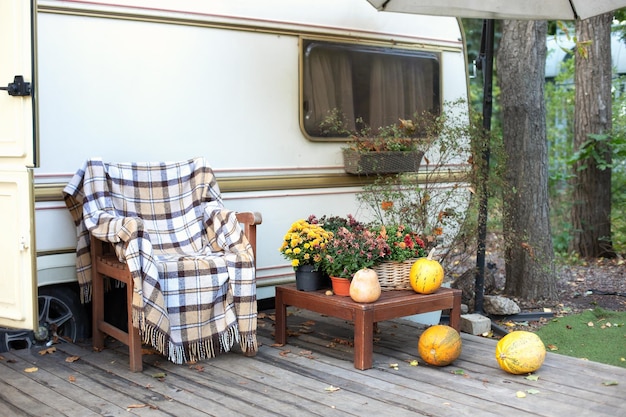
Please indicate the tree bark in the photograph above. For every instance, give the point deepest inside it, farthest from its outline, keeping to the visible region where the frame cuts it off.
(529, 263)
(591, 183)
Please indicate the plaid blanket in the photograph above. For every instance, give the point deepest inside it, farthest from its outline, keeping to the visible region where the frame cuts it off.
(192, 267)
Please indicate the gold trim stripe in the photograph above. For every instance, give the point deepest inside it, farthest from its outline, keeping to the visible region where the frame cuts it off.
(54, 191)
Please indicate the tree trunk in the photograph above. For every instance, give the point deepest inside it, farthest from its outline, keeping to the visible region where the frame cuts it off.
(591, 183)
(529, 263)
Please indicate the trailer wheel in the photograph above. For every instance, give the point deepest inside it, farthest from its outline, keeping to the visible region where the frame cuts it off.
(62, 318)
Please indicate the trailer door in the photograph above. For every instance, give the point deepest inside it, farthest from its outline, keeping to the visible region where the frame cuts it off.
(18, 283)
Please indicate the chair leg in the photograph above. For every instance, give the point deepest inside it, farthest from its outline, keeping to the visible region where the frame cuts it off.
(97, 306)
(134, 339)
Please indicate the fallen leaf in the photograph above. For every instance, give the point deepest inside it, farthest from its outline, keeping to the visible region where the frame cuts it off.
(137, 406)
(532, 377)
(72, 359)
(71, 378)
(284, 352)
(394, 366)
(48, 351)
(609, 383)
(414, 362)
(533, 391)
(590, 324)
(459, 372)
(553, 347)
(331, 388)
(520, 394)
(159, 375)
(31, 370)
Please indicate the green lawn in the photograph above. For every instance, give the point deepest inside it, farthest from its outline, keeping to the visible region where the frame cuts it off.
(597, 335)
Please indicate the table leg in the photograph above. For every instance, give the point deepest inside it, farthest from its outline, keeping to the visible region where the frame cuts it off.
(455, 312)
(363, 339)
(280, 330)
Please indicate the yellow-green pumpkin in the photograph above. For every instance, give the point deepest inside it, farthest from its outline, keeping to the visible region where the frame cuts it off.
(426, 275)
(439, 345)
(520, 352)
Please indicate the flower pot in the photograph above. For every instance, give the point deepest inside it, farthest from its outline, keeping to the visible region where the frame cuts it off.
(341, 286)
(309, 280)
(356, 162)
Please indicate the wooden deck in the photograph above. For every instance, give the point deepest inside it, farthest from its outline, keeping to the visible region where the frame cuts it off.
(299, 379)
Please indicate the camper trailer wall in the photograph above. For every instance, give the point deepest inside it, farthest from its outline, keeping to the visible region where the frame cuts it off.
(168, 80)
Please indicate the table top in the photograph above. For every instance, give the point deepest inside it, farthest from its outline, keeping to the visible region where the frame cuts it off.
(391, 297)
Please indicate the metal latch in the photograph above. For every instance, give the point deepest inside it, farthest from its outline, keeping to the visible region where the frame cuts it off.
(18, 87)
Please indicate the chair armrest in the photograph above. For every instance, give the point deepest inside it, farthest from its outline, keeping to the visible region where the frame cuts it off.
(249, 217)
(249, 221)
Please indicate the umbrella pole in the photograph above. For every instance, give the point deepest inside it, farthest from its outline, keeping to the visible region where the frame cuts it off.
(486, 65)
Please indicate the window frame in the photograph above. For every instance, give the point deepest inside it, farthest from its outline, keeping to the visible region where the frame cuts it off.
(374, 49)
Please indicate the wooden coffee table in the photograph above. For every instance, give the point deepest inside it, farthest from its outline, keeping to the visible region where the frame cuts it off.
(390, 305)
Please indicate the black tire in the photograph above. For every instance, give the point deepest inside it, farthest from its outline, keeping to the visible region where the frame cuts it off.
(62, 318)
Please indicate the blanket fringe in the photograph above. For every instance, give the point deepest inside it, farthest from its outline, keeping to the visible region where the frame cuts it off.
(248, 342)
(86, 289)
(192, 352)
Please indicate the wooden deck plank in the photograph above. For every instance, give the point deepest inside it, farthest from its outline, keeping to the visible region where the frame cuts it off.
(498, 388)
(192, 392)
(292, 380)
(31, 392)
(260, 386)
(7, 409)
(558, 371)
(417, 399)
(84, 387)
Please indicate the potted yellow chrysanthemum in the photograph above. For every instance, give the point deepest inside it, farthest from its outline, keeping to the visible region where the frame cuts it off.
(305, 244)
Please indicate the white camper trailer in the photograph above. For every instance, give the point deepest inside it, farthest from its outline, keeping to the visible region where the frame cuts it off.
(154, 80)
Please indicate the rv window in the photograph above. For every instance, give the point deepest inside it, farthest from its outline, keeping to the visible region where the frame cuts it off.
(348, 87)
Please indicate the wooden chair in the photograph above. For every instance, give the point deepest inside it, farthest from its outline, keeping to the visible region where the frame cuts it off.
(104, 263)
(168, 223)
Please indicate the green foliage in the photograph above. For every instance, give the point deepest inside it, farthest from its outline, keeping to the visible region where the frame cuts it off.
(353, 245)
(592, 150)
(618, 173)
(560, 98)
(419, 201)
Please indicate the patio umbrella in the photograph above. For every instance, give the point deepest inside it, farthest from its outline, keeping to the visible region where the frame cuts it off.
(503, 9)
(490, 10)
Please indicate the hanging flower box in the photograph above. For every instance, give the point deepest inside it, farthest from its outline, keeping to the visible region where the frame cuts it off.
(382, 162)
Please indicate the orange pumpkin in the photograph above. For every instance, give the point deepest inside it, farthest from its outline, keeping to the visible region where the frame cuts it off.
(520, 352)
(439, 345)
(426, 275)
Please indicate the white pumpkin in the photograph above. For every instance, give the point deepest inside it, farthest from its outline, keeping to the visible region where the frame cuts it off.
(365, 287)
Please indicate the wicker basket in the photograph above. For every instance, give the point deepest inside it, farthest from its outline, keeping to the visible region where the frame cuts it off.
(395, 275)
